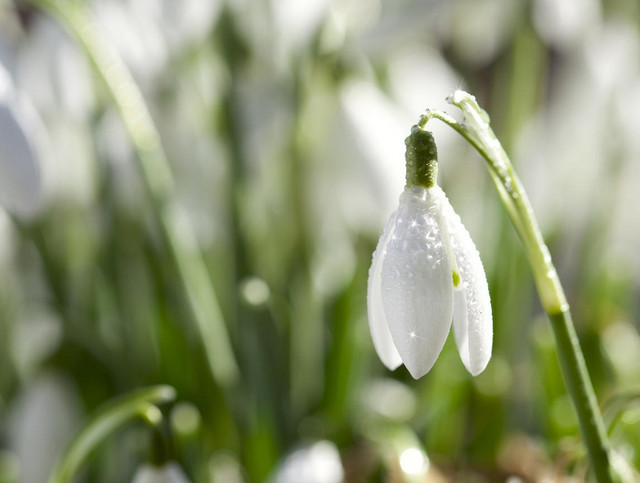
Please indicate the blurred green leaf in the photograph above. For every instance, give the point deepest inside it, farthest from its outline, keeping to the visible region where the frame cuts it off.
(110, 418)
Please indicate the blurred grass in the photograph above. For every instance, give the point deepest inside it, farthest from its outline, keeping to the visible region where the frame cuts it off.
(246, 113)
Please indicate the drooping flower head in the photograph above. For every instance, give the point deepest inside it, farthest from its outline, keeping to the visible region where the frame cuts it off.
(426, 272)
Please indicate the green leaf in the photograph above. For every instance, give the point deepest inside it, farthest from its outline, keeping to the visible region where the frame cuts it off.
(108, 419)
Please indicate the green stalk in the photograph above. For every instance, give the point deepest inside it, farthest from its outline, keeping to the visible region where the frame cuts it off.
(476, 130)
(105, 422)
(177, 232)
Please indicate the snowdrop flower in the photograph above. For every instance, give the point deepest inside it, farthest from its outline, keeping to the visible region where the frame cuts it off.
(426, 273)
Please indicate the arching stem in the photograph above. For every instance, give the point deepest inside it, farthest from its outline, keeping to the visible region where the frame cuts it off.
(477, 131)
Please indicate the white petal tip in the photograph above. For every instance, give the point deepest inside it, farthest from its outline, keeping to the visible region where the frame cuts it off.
(477, 364)
(474, 371)
(418, 372)
(392, 366)
(416, 376)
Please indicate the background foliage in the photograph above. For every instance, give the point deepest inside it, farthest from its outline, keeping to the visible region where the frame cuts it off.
(283, 123)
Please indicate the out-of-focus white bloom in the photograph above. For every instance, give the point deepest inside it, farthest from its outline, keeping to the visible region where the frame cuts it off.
(347, 198)
(611, 55)
(132, 29)
(296, 22)
(479, 30)
(586, 137)
(36, 337)
(54, 72)
(186, 22)
(355, 17)
(224, 467)
(425, 272)
(319, 463)
(33, 433)
(167, 473)
(564, 22)
(417, 77)
(56, 76)
(624, 236)
(21, 137)
(390, 399)
(621, 343)
(378, 127)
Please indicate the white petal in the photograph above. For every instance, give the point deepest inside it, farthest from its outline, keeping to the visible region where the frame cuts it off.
(377, 321)
(472, 320)
(417, 291)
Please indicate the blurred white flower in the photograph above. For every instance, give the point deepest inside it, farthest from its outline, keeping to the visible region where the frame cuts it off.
(36, 337)
(186, 22)
(479, 30)
(564, 22)
(22, 147)
(56, 76)
(390, 399)
(612, 56)
(54, 72)
(419, 76)
(377, 128)
(132, 28)
(355, 17)
(296, 22)
(621, 247)
(621, 342)
(36, 437)
(168, 473)
(76, 172)
(347, 198)
(318, 463)
(425, 271)
(588, 127)
(224, 467)
(7, 241)
(383, 28)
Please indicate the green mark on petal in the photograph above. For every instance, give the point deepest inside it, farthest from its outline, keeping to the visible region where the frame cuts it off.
(456, 278)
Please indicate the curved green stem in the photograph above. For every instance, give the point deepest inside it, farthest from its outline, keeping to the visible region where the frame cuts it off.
(477, 131)
(177, 232)
(106, 421)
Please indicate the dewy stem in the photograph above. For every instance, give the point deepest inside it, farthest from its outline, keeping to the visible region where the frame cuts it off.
(477, 131)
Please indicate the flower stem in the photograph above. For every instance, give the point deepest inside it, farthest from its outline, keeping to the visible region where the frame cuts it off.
(477, 131)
